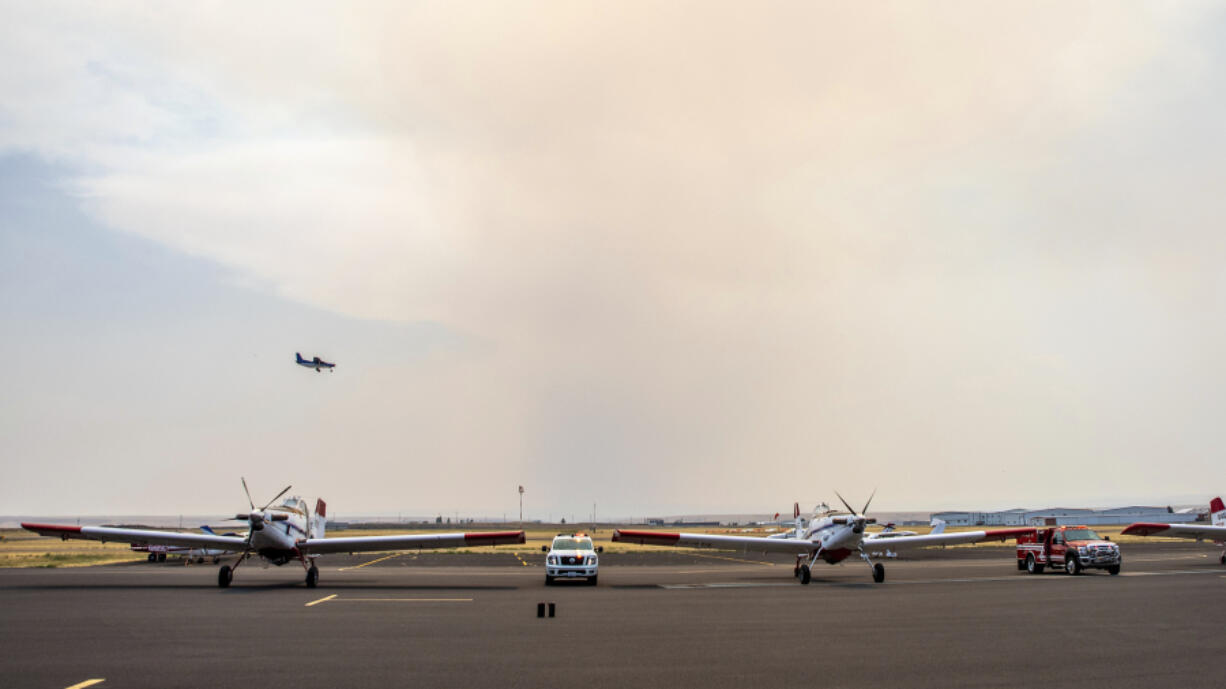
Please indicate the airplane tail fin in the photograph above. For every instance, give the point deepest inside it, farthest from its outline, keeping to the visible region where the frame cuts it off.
(938, 526)
(1217, 512)
(205, 528)
(320, 520)
(300, 359)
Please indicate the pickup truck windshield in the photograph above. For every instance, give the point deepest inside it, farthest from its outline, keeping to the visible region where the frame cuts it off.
(572, 544)
(1080, 535)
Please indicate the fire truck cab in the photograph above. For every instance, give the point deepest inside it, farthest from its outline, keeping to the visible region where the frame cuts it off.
(1073, 548)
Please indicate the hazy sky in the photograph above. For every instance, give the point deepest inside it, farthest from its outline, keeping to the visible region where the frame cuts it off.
(663, 257)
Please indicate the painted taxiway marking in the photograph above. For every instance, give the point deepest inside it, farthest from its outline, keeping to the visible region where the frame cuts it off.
(733, 585)
(388, 557)
(335, 598)
(733, 559)
(521, 560)
(87, 683)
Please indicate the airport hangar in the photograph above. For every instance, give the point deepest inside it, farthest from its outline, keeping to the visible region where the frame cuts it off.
(1060, 516)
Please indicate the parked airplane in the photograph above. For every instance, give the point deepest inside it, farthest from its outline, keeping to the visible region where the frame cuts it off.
(315, 363)
(158, 553)
(278, 535)
(831, 537)
(1217, 532)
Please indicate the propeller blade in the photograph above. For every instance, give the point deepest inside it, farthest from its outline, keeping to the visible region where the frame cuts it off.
(849, 509)
(283, 492)
(249, 501)
(242, 517)
(870, 500)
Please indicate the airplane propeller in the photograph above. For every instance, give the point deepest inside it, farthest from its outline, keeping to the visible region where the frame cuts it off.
(857, 519)
(256, 516)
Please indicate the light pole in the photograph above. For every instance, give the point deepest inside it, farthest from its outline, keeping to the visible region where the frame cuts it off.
(521, 504)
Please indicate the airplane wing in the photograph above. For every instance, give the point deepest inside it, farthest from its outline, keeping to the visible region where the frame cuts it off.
(702, 540)
(1176, 530)
(358, 544)
(951, 538)
(144, 536)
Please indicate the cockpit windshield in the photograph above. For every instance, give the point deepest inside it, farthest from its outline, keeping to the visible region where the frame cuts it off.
(572, 544)
(1080, 535)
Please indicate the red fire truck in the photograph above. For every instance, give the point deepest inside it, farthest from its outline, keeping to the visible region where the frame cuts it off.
(1073, 548)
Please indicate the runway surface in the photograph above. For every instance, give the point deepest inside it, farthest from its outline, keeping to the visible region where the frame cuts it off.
(712, 619)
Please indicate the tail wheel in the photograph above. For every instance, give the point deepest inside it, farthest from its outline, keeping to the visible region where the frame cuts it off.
(804, 574)
(1072, 565)
(312, 579)
(224, 576)
(878, 572)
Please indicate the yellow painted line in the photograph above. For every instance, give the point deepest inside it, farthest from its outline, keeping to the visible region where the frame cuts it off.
(87, 683)
(734, 559)
(317, 602)
(406, 600)
(342, 569)
(521, 560)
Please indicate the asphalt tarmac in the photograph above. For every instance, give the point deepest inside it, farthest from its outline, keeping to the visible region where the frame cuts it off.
(712, 619)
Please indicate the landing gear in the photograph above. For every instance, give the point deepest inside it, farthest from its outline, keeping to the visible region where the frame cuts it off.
(804, 574)
(878, 568)
(225, 575)
(312, 579)
(1072, 565)
(1224, 558)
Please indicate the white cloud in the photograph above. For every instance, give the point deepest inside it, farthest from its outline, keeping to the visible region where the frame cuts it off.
(744, 240)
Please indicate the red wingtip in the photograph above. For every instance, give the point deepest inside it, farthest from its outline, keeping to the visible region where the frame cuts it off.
(1216, 505)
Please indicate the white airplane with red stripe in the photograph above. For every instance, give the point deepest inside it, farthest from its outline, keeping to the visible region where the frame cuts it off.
(1217, 532)
(279, 534)
(830, 537)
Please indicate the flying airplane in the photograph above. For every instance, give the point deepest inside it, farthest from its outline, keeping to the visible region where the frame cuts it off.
(831, 537)
(315, 363)
(1217, 515)
(279, 535)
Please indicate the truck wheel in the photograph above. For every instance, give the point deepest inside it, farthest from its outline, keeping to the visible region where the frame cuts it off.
(1032, 565)
(548, 580)
(878, 573)
(1072, 565)
(804, 574)
(1113, 570)
(591, 581)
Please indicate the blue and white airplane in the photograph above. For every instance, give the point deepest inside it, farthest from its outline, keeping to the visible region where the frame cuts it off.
(315, 363)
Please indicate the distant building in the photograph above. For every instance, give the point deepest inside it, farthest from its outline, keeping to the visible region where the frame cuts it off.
(1059, 516)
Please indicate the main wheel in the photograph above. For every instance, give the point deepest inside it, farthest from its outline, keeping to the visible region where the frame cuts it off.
(1072, 565)
(878, 572)
(312, 577)
(1224, 558)
(224, 576)
(804, 574)
(1113, 570)
(1032, 565)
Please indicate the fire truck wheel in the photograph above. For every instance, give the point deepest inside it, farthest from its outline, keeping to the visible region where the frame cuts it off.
(153, 557)
(804, 574)
(1032, 566)
(1072, 565)
(878, 573)
(1113, 570)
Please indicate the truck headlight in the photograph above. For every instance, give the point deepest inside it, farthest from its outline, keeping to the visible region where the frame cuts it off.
(552, 560)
